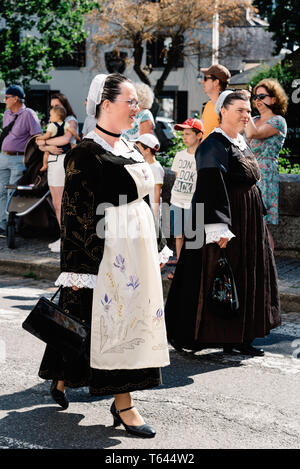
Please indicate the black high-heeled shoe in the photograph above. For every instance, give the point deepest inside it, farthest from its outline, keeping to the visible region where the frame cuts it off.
(59, 396)
(143, 431)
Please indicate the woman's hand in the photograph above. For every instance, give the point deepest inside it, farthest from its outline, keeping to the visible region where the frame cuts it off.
(51, 149)
(63, 140)
(223, 242)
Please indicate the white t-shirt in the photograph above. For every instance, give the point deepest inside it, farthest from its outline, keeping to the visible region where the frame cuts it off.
(72, 118)
(89, 124)
(184, 165)
(158, 173)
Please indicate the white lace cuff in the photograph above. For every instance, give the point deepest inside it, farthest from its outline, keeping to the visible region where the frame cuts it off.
(215, 231)
(164, 255)
(71, 279)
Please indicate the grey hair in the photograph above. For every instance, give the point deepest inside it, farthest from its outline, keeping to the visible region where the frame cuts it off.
(145, 95)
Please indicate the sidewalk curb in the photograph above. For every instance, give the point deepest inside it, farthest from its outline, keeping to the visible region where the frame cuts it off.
(289, 302)
(42, 268)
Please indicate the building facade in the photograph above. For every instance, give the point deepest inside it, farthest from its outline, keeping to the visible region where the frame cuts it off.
(183, 94)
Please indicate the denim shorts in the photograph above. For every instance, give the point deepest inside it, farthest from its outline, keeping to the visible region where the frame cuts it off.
(179, 219)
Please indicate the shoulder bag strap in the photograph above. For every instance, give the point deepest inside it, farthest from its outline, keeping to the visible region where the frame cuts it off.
(6, 130)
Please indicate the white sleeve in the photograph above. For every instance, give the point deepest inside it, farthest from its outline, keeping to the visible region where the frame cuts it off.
(164, 255)
(66, 126)
(174, 166)
(71, 279)
(215, 231)
(158, 175)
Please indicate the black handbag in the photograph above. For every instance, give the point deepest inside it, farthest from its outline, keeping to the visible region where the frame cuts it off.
(62, 331)
(224, 300)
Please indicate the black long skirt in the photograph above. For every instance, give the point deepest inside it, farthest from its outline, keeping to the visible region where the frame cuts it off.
(78, 373)
(190, 322)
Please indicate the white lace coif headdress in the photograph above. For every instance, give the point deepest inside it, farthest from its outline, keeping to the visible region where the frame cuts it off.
(95, 93)
(221, 100)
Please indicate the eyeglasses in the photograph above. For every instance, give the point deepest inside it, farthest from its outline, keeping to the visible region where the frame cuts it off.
(260, 96)
(133, 103)
(9, 96)
(209, 77)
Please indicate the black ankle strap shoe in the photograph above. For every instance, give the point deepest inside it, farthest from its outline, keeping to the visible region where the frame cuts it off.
(143, 431)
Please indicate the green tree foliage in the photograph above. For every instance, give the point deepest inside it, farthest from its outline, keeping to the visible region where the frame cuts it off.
(284, 21)
(284, 72)
(33, 33)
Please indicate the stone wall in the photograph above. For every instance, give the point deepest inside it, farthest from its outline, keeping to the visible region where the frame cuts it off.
(286, 234)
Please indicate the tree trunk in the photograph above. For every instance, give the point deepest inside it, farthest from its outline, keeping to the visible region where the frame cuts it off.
(138, 56)
(172, 60)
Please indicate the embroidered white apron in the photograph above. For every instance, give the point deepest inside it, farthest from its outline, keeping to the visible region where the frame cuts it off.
(128, 326)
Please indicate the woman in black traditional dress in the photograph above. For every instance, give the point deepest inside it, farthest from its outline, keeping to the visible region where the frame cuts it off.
(233, 217)
(110, 262)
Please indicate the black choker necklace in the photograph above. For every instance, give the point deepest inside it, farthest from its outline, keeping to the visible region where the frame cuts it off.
(107, 132)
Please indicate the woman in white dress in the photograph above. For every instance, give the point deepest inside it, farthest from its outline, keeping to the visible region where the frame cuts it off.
(56, 172)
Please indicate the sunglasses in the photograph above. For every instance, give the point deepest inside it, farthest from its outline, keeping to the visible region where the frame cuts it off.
(209, 77)
(260, 96)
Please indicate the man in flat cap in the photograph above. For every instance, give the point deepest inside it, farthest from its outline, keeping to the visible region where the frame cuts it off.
(19, 124)
(216, 79)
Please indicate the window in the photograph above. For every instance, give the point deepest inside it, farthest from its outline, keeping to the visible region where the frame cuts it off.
(115, 61)
(173, 104)
(157, 52)
(75, 59)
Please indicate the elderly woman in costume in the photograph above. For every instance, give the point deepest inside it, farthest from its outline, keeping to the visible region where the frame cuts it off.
(110, 262)
(233, 219)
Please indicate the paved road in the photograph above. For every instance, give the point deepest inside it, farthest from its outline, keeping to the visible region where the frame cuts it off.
(208, 399)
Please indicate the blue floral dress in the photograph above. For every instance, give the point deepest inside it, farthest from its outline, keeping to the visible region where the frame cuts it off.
(142, 116)
(267, 151)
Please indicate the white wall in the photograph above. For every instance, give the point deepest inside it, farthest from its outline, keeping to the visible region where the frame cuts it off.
(74, 83)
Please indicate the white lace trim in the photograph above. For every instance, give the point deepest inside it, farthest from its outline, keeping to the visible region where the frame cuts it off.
(133, 153)
(214, 232)
(71, 279)
(164, 255)
(239, 142)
